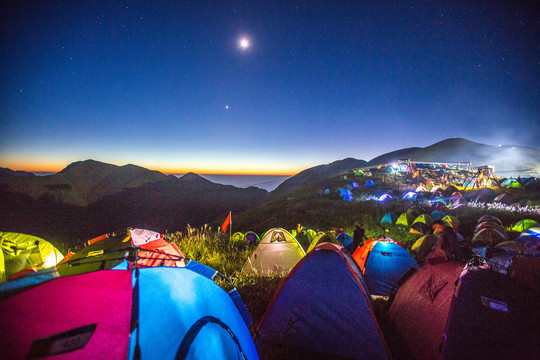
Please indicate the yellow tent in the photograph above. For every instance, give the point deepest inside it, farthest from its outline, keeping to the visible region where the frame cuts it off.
(21, 251)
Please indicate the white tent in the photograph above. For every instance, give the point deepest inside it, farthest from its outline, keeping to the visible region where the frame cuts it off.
(277, 253)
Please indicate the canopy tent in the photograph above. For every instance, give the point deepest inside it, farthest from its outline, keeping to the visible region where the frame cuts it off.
(322, 310)
(383, 263)
(276, 254)
(114, 314)
(25, 253)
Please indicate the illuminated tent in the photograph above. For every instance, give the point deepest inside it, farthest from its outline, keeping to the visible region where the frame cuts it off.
(533, 231)
(383, 263)
(321, 310)
(354, 185)
(451, 221)
(106, 252)
(411, 195)
(389, 218)
(420, 308)
(524, 225)
(276, 254)
(423, 245)
(358, 172)
(237, 236)
(405, 219)
(322, 237)
(512, 184)
(503, 198)
(21, 253)
(369, 183)
(153, 313)
(252, 238)
(491, 317)
(422, 224)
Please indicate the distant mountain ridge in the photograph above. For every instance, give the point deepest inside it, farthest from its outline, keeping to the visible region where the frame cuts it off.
(509, 158)
(317, 173)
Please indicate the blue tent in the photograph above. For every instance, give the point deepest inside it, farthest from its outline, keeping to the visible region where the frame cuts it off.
(346, 194)
(437, 215)
(323, 309)
(326, 191)
(389, 218)
(346, 241)
(369, 183)
(354, 184)
(384, 197)
(383, 264)
(411, 195)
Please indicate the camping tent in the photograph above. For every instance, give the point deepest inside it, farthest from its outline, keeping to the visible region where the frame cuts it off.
(405, 220)
(153, 313)
(423, 245)
(451, 221)
(512, 184)
(389, 218)
(322, 237)
(369, 183)
(276, 254)
(490, 218)
(437, 215)
(422, 224)
(21, 252)
(491, 317)
(304, 238)
(322, 310)
(346, 241)
(383, 263)
(237, 236)
(420, 308)
(488, 224)
(524, 225)
(251, 237)
(488, 237)
(106, 252)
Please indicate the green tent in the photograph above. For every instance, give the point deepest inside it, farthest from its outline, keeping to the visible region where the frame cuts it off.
(523, 225)
(423, 245)
(320, 238)
(358, 172)
(405, 219)
(304, 238)
(237, 236)
(21, 251)
(422, 224)
(451, 221)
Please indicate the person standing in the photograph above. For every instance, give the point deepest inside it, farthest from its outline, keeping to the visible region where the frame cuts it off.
(359, 235)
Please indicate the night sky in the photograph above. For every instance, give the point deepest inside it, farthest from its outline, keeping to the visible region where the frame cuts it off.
(168, 86)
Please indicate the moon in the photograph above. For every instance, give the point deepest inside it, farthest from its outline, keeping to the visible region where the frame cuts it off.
(243, 43)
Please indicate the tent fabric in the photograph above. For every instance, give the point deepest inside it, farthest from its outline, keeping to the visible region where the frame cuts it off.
(488, 237)
(251, 237)
(100, 309)
(346, 241)
(420, 308)
(276, 254)
(389, 218)
(489, 218)
(369, 183)
(383, 263)
(322, 237)
(451, 221)
(490, 225)
(405, 220)
(524, 224)
(304, 238)
(437, 215)
(323, 306)
(423, 245)
(111, 251)
(21, 251)
(422, 224)
(491, 317)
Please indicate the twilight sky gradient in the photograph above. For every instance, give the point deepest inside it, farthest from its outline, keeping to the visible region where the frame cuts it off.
(165, 84)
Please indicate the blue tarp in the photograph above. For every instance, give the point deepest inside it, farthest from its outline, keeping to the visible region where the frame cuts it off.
(386, 264)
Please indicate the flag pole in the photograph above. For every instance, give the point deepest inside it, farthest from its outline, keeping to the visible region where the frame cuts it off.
(230, 226)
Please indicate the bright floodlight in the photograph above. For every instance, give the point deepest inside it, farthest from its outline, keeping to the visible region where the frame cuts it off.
(243, 43)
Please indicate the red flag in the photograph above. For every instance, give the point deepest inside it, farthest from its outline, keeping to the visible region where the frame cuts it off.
(226, 223)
